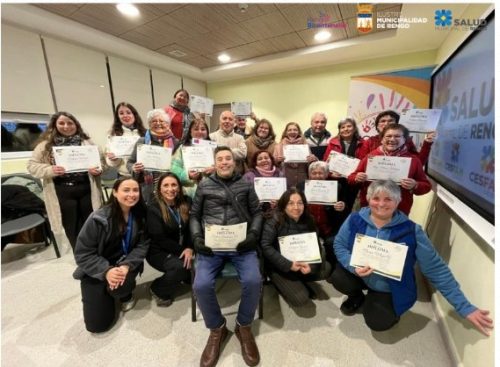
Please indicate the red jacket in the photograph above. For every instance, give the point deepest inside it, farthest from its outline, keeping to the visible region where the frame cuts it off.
(375, 141)
(416, 172)
(176, 121)
(335, 145)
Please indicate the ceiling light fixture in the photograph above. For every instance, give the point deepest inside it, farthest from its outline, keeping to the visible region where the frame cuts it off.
(322, 36)
(243, 7)
(128, 9)
(224, 58)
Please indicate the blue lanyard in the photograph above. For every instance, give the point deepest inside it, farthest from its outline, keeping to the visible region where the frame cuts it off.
(177, 217)
(128, 235)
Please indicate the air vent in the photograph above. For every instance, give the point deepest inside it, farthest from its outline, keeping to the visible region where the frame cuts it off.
(177, 53)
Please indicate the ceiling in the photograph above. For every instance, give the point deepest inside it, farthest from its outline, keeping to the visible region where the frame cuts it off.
(196, 34)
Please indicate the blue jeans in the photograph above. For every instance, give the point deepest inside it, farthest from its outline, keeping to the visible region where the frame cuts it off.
(207, 268)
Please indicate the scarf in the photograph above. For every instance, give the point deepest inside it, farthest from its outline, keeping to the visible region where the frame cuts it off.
(262, 143)
(297, 140)
(266, 173)
(183, 109)
(349, 148)
(397, 153)
(317, 138)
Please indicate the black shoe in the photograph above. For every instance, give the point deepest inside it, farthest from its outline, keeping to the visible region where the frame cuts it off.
(311, 293)
(160, 302)
(351, 304)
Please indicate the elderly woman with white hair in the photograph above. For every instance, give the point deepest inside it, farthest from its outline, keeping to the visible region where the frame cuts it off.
(387, 299)
(160, 134)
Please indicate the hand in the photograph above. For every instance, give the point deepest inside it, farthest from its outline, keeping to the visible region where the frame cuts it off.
(248, 244)
(279, 159)
(209, 170)
(58, 170)
(305, 268)
(295, 266)
(111, 156)
(335, 174)
(253, 116)
(273, 203)
(138, 167)
(187, 254)
(339, 206)
(429, 138)
(95, 171)
(311, 158)
(481, 321)
(364, 271)
(115, 277)
(408, 183)
(194, 175)
(124, 269)
(361, 177)
(199, 247)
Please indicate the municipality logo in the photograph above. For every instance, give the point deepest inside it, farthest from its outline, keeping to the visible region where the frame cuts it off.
(488, 159)
(442, 18)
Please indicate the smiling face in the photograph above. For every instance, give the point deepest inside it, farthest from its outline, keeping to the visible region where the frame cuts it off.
(127, 194)
(199, 131)
(263, 130)
(224, 163)
(346, 131)
(226, 121)
(126, 116)
(181, 98)
(159, 125)
(292, 132)
(392, 140)
(295, 207)
(318, 174)
(382, 206)
(264, 161)
(65, 126)
(318, 124)
(169, 189)
(242, 122)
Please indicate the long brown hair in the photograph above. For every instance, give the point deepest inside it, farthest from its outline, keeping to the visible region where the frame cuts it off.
(180, 201)
(117, 128)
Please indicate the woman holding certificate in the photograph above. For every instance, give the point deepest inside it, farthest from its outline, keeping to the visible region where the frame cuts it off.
(291, 249)
(159, 134)
(70, 197)
(197, 136)
(179, 113)
(110, 253)
(293, 155)
(171, 249)
(262, 138)
(377, 235)
(128, 126)
(412, 178)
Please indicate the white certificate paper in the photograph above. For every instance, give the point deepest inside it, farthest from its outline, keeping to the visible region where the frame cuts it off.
(201, 105)
(388, 168)
(386, 258)
(269, 188)
(224, 238)
(300, 247)
(342, 163)
(420, 120)
(197, 157)
(296, 153)
(122, 146)
(77, 158)
(154, 158)
(241, 108)
(210, 143)
(321, 192)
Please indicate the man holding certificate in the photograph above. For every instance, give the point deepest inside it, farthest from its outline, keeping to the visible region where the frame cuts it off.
(225, 224)
(393, 145)
(388, 298)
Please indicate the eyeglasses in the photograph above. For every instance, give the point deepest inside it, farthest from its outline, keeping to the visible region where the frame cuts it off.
(393, 136)
(300, 204)
(158, 123)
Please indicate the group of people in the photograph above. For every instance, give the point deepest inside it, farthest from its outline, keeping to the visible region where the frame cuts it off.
(163, 218)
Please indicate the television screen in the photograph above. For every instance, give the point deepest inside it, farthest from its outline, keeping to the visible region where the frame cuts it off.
(462, 158)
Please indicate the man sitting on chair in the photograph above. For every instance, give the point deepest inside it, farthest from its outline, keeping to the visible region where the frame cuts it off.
(224, 198)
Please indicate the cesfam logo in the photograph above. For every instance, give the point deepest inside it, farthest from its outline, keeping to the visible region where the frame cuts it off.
(443, 18)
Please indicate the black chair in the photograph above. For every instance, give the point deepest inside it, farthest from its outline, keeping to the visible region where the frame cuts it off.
(108, 179)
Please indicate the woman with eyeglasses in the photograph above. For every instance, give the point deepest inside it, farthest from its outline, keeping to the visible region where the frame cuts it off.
(291, 278)
(159, 134)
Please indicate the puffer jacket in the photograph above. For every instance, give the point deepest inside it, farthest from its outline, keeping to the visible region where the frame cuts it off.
(95, 235)
(213, 205)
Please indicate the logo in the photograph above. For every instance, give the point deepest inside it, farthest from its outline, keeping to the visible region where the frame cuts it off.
(365, 18)
(324, 21)
(442, 18)
(455, 152)
(488, 159)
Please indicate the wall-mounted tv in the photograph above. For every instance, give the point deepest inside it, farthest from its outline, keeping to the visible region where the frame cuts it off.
(462, 159)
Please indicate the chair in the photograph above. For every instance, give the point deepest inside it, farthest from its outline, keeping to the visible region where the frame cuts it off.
(108, 179)
(227, 272)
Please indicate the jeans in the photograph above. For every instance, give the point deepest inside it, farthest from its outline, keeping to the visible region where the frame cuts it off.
(207, 268)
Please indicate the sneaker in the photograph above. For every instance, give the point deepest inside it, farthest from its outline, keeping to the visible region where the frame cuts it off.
(160, 302)
(128, 305)
(351, 304)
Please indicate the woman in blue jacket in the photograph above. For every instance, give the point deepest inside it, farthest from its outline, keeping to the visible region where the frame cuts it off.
(388, 299)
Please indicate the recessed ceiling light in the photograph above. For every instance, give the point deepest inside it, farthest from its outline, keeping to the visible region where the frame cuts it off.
(322, 35)
(127, 9)
(224, 58)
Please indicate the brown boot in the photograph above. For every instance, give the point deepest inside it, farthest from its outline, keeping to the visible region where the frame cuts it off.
(210, 354)
(249, 349)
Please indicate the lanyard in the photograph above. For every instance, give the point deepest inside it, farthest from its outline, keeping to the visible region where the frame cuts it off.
(177, 217)
(128, 235)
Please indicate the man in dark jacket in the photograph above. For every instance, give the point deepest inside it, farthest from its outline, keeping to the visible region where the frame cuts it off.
(225, 199)
(317, 136)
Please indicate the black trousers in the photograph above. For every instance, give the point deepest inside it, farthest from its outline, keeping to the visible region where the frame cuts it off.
(173, 271)
(99, 309)
(378, 309)
(76, 205)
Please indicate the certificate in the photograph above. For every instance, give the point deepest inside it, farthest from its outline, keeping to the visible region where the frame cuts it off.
(153, 157)
(225, 238)
(269, 188)
(201, 105)
(210, 143)
(296, 153)
(300, 247)
(342, 163)
(77, 158)
(420, 120)
(386, 258)
(197, 157)
(241, 108)
(122, 146)
(388, 168)
(321, 192)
